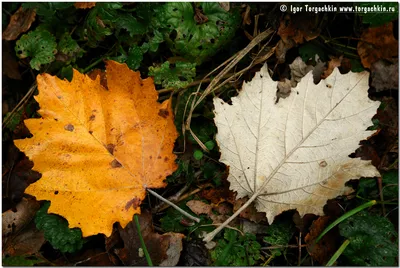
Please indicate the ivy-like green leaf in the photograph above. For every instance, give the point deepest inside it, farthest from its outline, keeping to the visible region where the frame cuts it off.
(40, 45)
(198, 33)
(69, 48)
(135, 57)
(236, 250)
(373, 240)
(56, 231)
(173, 77)
(21, 261)
(279, 234)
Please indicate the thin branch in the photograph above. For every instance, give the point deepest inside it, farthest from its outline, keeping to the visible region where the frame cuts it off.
(174, 206)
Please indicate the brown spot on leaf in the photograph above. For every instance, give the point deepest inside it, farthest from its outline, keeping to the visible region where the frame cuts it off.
(115, 164)
(323, 163)
(163, 113)
(110, 147)
(159, 157)
(69, 127)
(135, 202)
(151, 157)
(166, 159)
(90, 131)
(92, 117)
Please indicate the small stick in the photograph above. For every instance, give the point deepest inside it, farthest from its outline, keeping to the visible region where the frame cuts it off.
(174, 206)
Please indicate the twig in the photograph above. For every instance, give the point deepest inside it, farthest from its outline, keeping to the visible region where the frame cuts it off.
(211, 235)
(174, 206)
(20, 104)
(210, 88)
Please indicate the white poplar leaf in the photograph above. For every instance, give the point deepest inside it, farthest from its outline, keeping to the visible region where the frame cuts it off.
(294, 154)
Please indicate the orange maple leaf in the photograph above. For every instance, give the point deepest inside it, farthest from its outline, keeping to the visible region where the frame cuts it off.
(99, 148)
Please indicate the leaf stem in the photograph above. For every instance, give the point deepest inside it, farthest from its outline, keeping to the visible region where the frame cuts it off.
(210, 236)
(146, 253)
(345, 216)
(338, 253)
(174, 206)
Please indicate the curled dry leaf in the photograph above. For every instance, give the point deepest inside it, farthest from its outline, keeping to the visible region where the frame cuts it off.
(99, 149)
(20, 22)
(377, 43)
(294, 154)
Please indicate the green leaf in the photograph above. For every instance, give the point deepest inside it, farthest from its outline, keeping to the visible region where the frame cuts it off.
(100, 22)
(236, 250)
(378, 18)
(155, 41)
(15, 120)
(198, 154)
(210, 145)
(279, 234)
(135, 57)
(390, 187)
(373, 240)
(46, 10)
(308, 51)
(198, 39)
(69, 48)
(40, 45)
(184, 173)
(173, 77)
(56, 231)
(368, 188)
(25, 260)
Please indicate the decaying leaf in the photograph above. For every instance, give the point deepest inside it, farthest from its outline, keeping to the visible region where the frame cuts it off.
(377, 43)
(99, 149)
(84, 5)
(385, 75)
(164, 249)
(326, 247)
(20, 236)
(20, 22)
(294, 154)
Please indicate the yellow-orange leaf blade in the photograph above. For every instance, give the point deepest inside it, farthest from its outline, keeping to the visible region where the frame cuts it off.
(98, 148)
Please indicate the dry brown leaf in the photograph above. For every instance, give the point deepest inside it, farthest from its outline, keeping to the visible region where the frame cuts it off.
(164, 250)
(84, 5)
(377, 43)
(332, 64)
(20, 22)
(326, 247)
(20, 236)
(99, 149)
(294, 30)
(294, 154)
(385, 75)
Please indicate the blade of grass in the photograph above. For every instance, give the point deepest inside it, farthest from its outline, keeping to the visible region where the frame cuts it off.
(345, 216)
(146, 253)
(338, 253)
